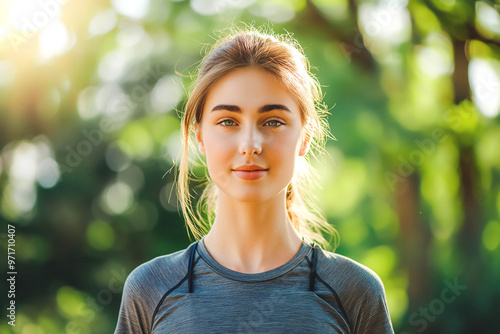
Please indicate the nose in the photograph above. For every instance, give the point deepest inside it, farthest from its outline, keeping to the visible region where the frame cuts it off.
(252, 142)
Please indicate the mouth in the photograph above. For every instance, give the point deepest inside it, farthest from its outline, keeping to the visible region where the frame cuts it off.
(250, 174)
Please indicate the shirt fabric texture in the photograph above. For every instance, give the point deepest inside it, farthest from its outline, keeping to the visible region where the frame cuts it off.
(317, 291)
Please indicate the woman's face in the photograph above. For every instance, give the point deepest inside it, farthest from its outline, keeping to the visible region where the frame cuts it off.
(250, 118)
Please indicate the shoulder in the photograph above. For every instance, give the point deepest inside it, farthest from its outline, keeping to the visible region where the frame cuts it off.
(169, 268)
(348, 276)
(359, 289)
(144, 288)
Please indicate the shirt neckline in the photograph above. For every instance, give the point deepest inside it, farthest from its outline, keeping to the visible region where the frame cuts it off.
(266, 275)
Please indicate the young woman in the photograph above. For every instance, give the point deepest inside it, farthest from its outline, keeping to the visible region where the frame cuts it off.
(260, 263)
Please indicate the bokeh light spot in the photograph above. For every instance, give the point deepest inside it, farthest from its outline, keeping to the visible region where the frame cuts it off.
(491, 235)
(485, 85)
(103, 22)
(69, 300)
(134, 9)
(117, 198)
(100, 235)
(381, 260)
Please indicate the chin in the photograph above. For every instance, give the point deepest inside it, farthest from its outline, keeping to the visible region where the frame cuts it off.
(250, 197)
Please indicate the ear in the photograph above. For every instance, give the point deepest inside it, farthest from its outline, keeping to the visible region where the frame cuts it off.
(306, 142)
(199, 140)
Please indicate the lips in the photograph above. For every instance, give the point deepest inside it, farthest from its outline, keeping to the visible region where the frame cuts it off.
(250, 168)
(250, 175)
(250, 172)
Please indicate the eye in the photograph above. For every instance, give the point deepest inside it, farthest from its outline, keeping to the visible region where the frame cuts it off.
(275, 120)
(232, 123)
(225, 120)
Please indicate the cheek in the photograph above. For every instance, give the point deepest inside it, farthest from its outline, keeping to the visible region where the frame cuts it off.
(218, 159)
(287, 143)
(284, 152)
(217, 151)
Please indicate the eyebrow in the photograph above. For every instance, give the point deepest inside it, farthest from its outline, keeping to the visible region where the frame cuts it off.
(263, 109)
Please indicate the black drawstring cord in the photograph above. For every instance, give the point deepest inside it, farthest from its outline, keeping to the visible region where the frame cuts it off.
(313, 270)
(190, 270)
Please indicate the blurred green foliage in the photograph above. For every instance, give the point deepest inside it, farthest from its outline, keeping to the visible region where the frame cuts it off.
(89, 94)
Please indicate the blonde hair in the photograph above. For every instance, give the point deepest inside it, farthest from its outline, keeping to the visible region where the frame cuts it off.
(282, 56)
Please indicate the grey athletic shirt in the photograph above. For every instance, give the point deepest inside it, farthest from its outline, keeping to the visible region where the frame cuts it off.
(317, 291)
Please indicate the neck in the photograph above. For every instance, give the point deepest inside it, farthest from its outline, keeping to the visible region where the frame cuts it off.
(252, 237)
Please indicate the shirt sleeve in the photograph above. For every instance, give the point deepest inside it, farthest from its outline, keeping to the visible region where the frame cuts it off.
(373, 314)
(135, 309)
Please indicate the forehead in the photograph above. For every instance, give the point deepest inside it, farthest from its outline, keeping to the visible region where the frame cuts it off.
(250, 88)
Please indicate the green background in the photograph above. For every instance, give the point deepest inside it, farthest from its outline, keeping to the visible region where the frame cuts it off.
(90, 94)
